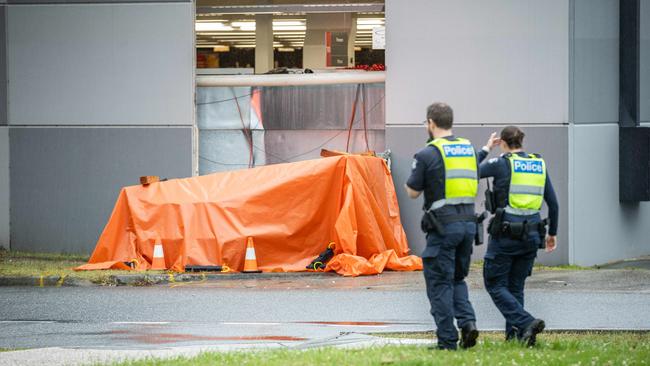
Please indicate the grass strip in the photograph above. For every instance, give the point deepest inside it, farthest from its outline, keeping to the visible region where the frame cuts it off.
(595, 348)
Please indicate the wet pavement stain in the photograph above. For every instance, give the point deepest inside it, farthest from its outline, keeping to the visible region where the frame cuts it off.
(161, 338)
(362, 324)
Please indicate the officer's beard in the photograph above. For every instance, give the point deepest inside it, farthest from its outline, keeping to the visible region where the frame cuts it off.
(430, 135)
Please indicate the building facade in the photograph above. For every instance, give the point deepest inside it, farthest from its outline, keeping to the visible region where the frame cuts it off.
(86, 107)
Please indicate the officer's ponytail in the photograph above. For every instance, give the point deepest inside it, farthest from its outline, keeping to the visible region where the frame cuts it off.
(513, 136)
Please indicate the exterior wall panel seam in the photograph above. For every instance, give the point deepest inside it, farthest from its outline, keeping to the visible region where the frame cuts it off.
(570, 219)
(99, 126)
(5, 64)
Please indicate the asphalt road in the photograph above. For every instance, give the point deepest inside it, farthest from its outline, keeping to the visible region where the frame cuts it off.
(295, 310)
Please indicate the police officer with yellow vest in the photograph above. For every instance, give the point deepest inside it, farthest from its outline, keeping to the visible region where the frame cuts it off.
(446, 171)
(521, 182)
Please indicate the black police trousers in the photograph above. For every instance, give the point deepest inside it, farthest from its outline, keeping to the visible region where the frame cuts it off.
(446, 261)
(507, 264)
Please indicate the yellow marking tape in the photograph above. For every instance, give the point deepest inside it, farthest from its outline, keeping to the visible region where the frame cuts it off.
(60, 281)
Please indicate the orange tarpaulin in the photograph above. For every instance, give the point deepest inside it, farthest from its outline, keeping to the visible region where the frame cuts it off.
(292, 211)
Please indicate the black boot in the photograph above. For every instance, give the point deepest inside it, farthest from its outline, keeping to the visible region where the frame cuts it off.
(529, 335)
(468, 335)
(512, 335)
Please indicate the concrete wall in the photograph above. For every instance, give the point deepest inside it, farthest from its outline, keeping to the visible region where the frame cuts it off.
(602, 229)
(3, 66)
(100, 94)
(117, 64)
(594, 61)
(4, 187)
(551, 66)
(66, 180)
(4, 137)
(496, 61)
(405, 141)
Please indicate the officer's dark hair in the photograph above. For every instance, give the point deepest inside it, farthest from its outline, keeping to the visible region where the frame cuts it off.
(441, 114)
(513, 136)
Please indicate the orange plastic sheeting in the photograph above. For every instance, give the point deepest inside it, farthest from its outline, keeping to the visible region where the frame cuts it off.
(292, 211)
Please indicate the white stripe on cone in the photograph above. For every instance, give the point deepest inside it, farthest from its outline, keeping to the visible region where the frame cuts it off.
(158, 251)
(250, 254)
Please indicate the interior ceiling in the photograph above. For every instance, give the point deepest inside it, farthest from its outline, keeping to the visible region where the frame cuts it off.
(200, 3)
(233, 23)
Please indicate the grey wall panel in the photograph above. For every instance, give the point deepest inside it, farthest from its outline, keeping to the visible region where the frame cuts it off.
(3, 66)
(595, 61)
(101, 64)
(4, 187)
(66, 180)
(603, 229)
(645, 61)
(495, 61)
(551, 142)
(90, 1)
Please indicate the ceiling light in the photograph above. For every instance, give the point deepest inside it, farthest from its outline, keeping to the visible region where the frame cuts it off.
(368, 26)
(370, 21)
(287, 23)
(289, 27)
(233, 35)
(242, 24)
(221, 48)
(286, 49)
(252, 34)
(290, 36)
(210, 45)
(290, 32)
(211, 26)
(245, 26)
(244, 46)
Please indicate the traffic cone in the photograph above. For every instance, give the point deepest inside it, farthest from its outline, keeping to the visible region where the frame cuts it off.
(250, 262)
(158, 257)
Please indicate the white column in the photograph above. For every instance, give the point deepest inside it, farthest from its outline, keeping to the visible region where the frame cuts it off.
(263, 43)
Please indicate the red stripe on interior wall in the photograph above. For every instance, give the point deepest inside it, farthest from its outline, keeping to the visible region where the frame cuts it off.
(328, 48)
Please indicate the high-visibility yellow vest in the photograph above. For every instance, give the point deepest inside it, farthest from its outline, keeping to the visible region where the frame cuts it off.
(527, 182)
(461, 178)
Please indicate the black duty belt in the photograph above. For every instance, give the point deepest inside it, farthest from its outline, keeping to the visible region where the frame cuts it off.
(457, 218)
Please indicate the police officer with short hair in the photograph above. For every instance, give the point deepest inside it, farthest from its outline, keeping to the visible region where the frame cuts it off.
(446, 171)
(521, 182)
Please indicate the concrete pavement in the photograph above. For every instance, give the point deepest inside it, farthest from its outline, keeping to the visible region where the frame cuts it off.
(289, 312)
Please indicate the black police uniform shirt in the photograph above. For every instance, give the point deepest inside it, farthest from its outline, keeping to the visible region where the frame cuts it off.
(499, 168)
(428, 173)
